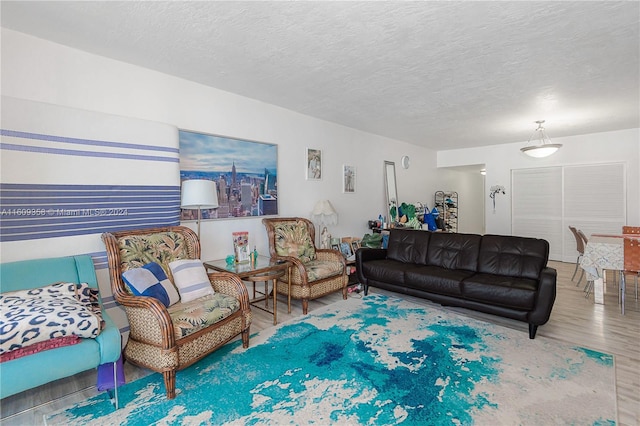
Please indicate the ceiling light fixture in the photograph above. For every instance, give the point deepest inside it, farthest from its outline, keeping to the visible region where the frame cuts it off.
(543, 147)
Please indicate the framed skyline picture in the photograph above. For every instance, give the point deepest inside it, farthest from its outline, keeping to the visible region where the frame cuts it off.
(313, 170)
(245, 173)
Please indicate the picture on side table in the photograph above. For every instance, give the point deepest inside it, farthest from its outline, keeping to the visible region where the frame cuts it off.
(241, 246)
(348, 179)
(314, 164)
(345, 249)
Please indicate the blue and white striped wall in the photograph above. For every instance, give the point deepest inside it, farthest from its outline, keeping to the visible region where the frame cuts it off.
(69, 175)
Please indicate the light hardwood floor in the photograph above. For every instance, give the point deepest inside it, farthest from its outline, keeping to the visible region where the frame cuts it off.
(575, 320)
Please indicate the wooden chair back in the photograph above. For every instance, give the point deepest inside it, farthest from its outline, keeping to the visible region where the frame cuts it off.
(134, 248)
(631, 229)
(584, 238)
(579, 241)
(632, 255)
(271, 224)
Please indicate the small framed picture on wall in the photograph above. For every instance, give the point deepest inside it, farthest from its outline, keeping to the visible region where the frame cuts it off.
(348, 179)
(313, 164)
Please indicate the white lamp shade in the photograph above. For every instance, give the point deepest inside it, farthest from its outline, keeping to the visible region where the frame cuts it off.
(199, 194)
(324, 212)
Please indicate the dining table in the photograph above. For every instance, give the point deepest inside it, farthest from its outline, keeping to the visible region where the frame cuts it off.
(605, 252)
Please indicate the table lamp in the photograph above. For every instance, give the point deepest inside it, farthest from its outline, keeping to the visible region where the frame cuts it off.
(325, 214)
(199, 194)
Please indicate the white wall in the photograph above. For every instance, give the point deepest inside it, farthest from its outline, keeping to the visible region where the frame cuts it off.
(470, 188)
(621, 146)
(42, 71)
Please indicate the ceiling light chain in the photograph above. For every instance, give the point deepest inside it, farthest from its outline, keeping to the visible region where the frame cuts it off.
(544, 147)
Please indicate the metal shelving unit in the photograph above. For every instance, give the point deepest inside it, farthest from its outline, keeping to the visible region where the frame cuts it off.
(447, 204)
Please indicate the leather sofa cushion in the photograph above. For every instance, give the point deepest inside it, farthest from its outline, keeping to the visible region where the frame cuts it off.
(434, 279)
(511, 292)
(454, 251)
(513, 256)
(385, 270)
(408, 245)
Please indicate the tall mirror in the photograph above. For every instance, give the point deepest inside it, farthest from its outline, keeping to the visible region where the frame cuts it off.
(392, 189)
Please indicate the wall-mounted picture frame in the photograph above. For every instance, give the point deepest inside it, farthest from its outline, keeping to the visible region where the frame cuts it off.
(348, 179)
(245, 173)
(313, 169)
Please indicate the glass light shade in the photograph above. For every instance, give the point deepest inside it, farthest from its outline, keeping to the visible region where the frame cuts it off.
(544, 147)
(199, 194)
(541, 151)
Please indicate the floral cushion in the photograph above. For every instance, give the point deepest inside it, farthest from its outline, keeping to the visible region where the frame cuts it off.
(293, 239)
(319, 269)
(163, 248)
(200, 313)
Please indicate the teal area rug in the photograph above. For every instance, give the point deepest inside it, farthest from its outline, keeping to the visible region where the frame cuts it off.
(377, 360)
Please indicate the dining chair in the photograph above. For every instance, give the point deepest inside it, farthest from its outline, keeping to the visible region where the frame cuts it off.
(631, 266)
(631, 229)
(589, 285)
(580, 249)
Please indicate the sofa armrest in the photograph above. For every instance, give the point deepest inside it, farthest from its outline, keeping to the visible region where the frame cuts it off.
(366, 254)
(228, 283)
(109, 340)
(330, 254)
(151, 312)
(545, 297)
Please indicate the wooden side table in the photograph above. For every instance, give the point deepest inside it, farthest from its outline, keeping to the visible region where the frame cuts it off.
(263, 269)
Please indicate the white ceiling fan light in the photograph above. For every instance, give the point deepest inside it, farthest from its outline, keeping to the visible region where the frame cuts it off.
(539, 145)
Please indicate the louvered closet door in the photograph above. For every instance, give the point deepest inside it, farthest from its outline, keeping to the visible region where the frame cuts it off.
(536, 206)
(545, 201)
(594, 200)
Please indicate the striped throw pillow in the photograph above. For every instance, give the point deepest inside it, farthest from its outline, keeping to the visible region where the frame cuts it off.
(190, 277)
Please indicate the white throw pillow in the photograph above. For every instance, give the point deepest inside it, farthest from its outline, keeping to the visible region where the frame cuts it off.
(190, 277)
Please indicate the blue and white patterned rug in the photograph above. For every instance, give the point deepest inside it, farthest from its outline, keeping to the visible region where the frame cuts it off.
(377, 360)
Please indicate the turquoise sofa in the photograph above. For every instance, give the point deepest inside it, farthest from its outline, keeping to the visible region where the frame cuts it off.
(37, 369)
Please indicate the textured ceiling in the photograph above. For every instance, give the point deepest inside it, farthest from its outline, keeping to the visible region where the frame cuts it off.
(442, 75)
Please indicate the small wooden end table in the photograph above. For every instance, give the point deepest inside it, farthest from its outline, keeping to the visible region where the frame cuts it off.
(263, 269)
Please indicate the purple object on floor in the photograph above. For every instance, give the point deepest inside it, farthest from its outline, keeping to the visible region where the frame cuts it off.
(105, 375)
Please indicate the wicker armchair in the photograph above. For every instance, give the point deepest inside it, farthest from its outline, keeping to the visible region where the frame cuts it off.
(315, 272)
(156, 341)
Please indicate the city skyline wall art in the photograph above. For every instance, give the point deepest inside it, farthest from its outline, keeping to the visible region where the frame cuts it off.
(245, 172)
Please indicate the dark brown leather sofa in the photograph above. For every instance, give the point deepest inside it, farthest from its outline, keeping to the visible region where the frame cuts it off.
(496, 274)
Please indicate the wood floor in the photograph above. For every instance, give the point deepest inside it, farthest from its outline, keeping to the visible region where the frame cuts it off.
(575, 320)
